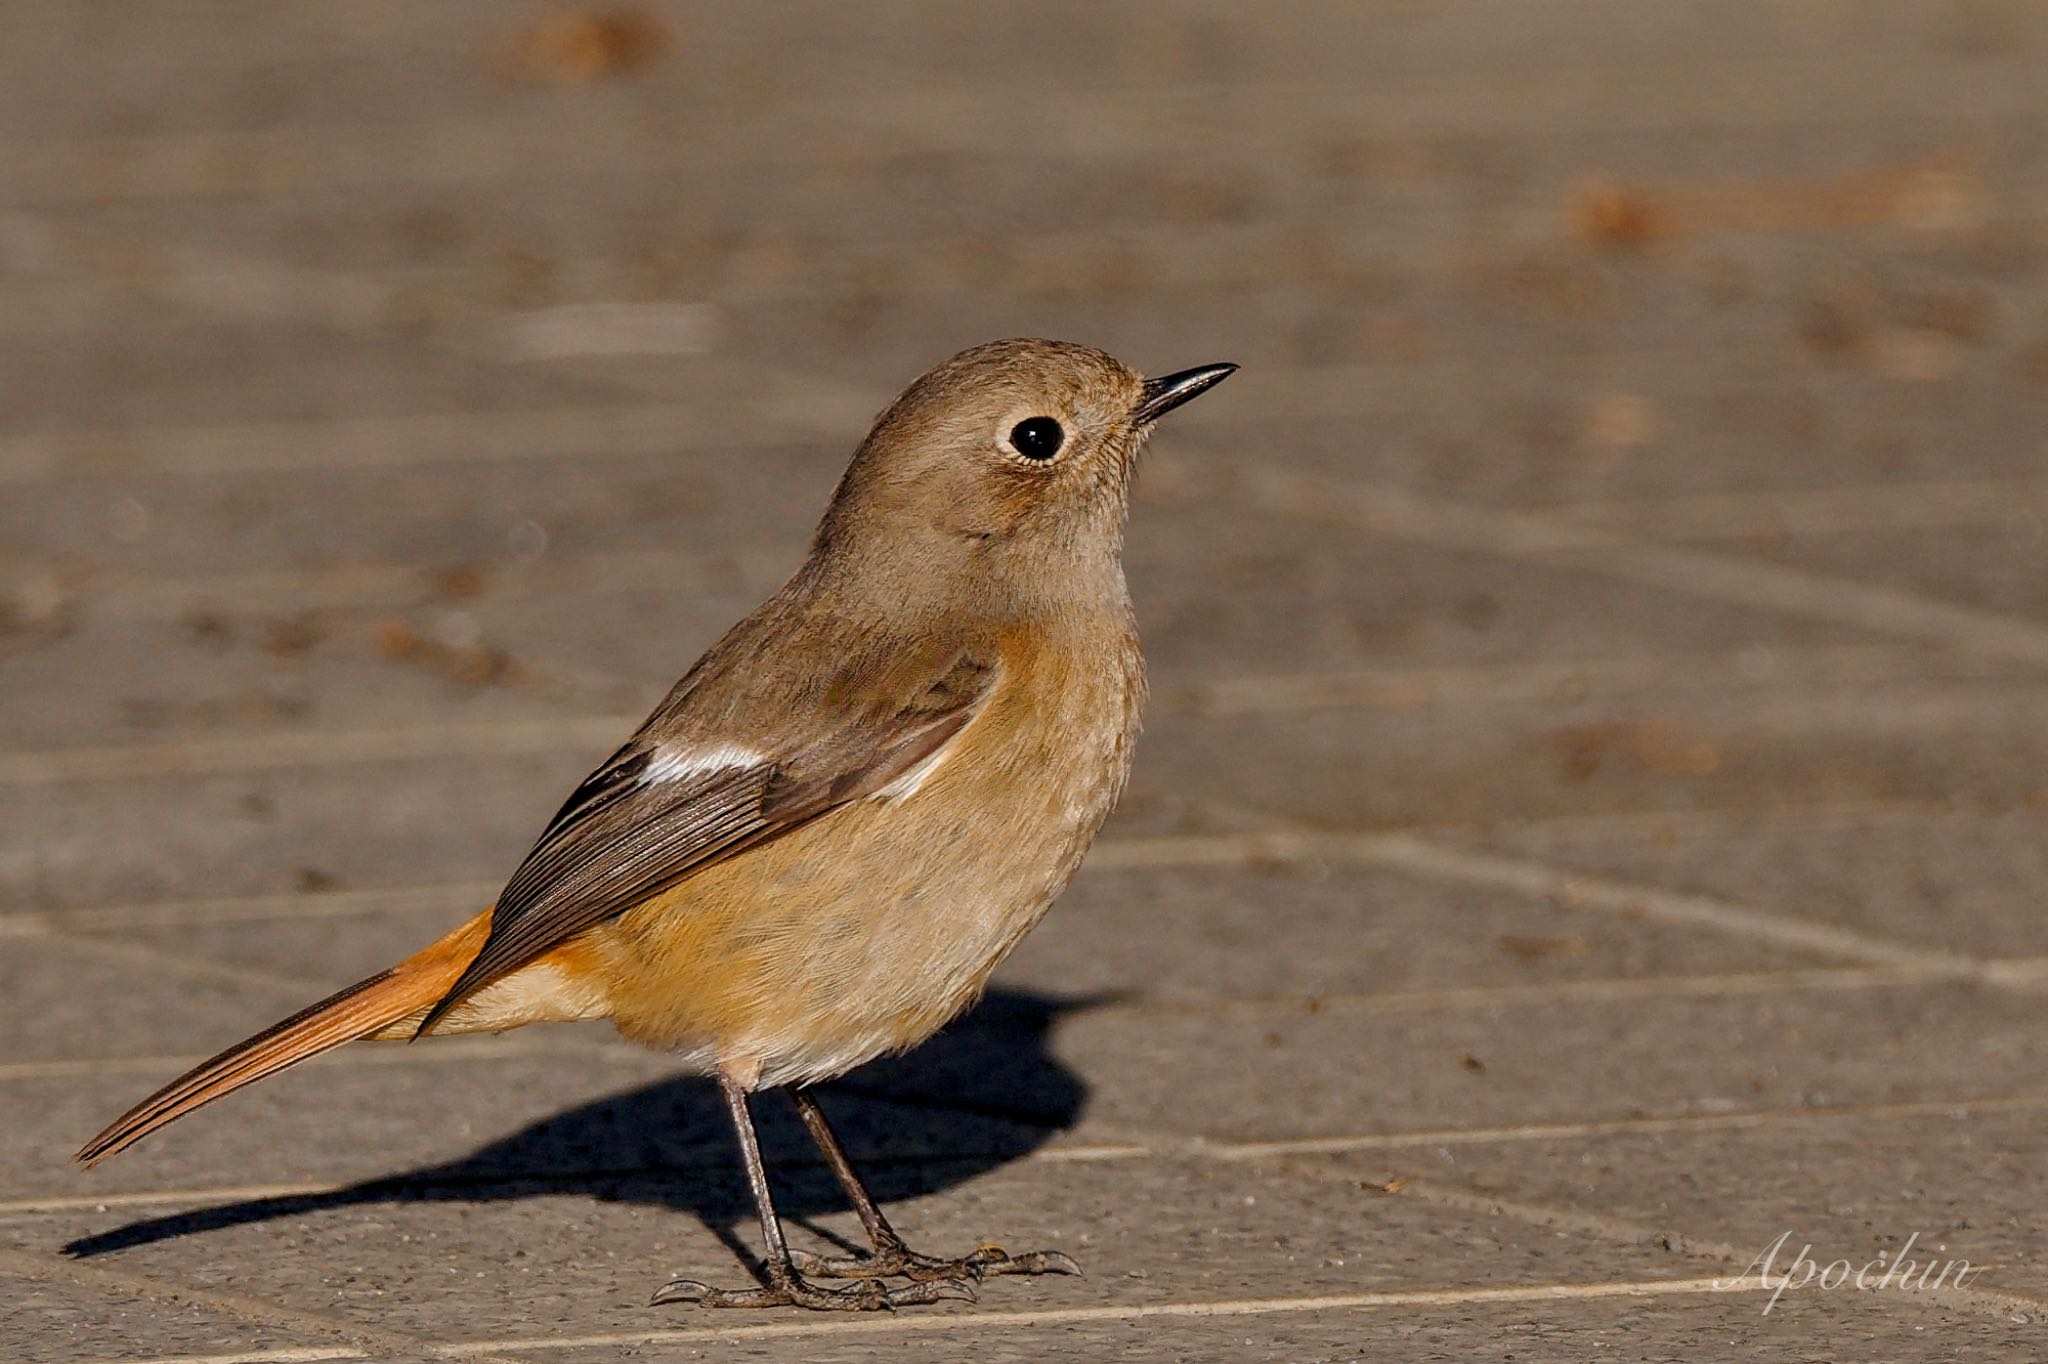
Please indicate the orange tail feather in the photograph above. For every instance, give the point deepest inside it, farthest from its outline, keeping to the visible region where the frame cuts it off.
(364, 1009)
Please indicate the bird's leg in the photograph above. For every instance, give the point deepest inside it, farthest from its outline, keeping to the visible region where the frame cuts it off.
(891, 1256)
(784, 1286)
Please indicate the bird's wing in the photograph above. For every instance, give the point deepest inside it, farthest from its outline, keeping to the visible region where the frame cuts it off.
(661, 809)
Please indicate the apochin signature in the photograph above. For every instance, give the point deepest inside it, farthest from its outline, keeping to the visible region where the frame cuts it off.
(1891, 1269)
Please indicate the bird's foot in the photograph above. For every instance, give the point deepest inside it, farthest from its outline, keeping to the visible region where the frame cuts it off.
(892, 1261)
(793, 1290)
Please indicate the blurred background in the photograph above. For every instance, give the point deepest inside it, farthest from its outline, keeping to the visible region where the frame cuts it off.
(1597, 639)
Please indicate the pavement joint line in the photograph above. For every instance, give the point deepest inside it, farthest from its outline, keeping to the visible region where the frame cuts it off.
(1387, 510)
(1794, 591)
(367, 1341)
(898, 1323)
(1565, 681)
(341, 444)
(290, 1354)
(1886, 707)
(1144, 1146)
(1730, 821)
(161, 958)
(902, 1323)
(1631, 1126)
(1831, 510)
(1583, 991)
(238, 909)
(1540, 879)
(270, 752)
(380, 585)
(1711, 823)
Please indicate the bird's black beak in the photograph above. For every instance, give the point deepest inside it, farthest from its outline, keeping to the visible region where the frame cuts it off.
(1169, 391)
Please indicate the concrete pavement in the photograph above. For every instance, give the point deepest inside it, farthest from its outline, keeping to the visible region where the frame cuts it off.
(1590, 822)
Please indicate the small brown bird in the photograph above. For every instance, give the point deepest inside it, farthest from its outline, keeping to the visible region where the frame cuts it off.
(825, 838)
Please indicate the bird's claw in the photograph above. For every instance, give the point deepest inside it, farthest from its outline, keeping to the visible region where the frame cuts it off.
(1031, 1262)
(894, 1261)
(866, 1295)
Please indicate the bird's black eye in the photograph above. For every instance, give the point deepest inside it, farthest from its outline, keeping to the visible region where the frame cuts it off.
(1037, 437)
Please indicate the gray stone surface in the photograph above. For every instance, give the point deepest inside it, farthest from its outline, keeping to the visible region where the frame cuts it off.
(1589, 821)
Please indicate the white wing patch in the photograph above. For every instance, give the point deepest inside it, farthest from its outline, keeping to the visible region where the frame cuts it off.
(916, 775)
(680, 764)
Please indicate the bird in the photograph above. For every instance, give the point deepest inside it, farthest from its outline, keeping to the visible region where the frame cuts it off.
(823, 840)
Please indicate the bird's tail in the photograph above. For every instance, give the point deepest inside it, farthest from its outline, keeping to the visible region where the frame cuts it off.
(388, 1004)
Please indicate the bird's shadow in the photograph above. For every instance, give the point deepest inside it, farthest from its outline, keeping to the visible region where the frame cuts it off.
(981, 1094)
